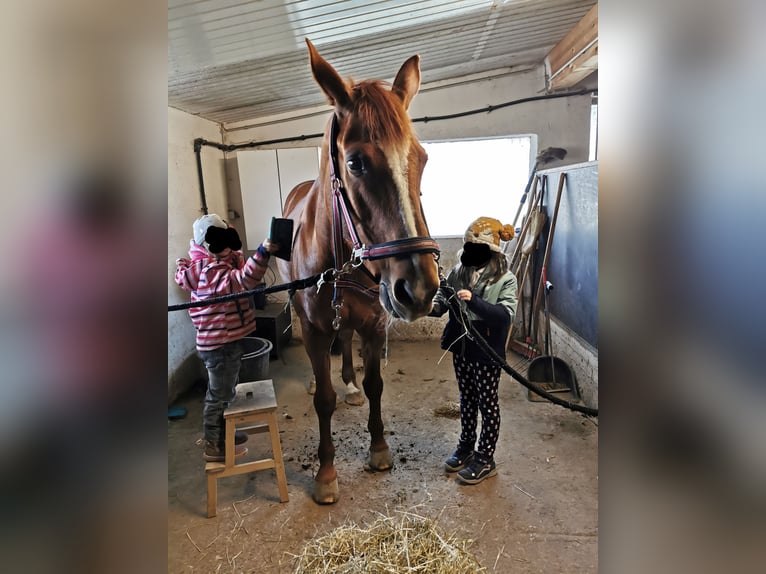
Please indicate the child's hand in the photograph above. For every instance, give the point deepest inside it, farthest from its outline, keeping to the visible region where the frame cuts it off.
(270, 246)
(464, 295)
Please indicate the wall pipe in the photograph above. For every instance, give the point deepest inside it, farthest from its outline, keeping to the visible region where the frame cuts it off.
(425, 119)
(198, 152)
(199, 142)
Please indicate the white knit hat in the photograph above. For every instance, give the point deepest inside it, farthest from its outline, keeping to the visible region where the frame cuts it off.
(204, 223)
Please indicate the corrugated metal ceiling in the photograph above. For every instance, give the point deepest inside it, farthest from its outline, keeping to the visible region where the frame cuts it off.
(232, 60)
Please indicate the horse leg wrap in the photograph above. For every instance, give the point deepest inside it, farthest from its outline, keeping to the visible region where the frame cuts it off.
(380, 460)
(326, 492)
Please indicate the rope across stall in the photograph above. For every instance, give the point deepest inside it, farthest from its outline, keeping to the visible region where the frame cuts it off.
(452, 302)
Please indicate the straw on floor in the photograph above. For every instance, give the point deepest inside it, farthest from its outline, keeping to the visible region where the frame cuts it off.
(404, 543)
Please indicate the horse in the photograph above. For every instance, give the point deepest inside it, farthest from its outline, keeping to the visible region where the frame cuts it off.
(360, 225)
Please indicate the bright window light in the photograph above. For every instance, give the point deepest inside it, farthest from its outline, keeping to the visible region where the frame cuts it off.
(467, 179)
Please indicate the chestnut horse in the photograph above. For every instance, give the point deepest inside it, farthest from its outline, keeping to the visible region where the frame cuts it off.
(360, 223)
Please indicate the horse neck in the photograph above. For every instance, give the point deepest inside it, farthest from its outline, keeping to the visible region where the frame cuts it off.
(322, 212)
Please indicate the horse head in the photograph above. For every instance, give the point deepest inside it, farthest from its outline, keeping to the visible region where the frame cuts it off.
(380, 164)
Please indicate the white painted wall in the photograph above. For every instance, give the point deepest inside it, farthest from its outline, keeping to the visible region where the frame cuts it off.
(184, 206)
(563, 122)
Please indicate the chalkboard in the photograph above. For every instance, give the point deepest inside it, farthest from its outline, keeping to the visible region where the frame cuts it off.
(573, 261)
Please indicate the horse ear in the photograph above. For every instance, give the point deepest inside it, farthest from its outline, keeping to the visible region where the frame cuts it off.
(407, 82)
(328, 79)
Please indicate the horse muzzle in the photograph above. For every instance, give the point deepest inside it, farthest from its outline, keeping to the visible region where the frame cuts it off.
(409, 296)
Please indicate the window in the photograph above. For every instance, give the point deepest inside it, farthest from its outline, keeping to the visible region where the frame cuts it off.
(467, 179)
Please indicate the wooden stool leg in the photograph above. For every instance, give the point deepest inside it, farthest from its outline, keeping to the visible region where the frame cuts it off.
(229, 442)
(279, 464)
(212, 495)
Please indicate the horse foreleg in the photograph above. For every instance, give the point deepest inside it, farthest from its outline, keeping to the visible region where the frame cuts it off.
(380, 455)
(353, 395)
(326, 479)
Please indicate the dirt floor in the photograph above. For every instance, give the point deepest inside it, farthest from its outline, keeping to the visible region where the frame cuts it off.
(538, 514)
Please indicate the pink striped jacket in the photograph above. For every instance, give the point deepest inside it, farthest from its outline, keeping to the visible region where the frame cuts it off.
(206, 277)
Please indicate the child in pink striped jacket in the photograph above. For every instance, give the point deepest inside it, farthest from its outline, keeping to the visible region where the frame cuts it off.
(217, 267)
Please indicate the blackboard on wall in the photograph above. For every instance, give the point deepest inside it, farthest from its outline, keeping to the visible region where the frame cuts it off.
(573, 261)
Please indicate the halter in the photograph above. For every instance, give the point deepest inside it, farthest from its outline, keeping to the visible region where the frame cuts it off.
(359, 251)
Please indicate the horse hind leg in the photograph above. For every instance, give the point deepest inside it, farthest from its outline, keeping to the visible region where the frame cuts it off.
(342, 346)
(354, 395)
(380, 456)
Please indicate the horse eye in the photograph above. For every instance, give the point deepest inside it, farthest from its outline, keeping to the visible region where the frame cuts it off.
(356, 165)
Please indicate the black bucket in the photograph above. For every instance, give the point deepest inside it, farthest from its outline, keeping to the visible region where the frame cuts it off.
(255, 360)
(553, 375)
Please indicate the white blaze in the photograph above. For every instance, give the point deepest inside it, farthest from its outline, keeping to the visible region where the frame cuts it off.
(397, 161)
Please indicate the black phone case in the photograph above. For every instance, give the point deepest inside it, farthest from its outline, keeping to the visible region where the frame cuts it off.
(281, 233)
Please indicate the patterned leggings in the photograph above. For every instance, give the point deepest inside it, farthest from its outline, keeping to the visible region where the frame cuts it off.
(478, 382)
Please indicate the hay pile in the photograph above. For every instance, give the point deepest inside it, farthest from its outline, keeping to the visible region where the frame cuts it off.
(402, 544)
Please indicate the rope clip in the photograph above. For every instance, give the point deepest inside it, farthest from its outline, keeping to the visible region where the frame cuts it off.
(322, 278)
(337, 321)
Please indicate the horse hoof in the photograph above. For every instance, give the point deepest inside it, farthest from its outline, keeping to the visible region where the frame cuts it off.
(379, 460)
(353, 395)
(312, 386)
(326, 492)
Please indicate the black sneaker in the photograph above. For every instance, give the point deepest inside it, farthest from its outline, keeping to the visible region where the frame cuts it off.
(477, 471)
(240, 437)
(458, 460)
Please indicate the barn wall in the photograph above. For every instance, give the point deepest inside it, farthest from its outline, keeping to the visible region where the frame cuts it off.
(581, 357)
(563, 122)
(184, 367)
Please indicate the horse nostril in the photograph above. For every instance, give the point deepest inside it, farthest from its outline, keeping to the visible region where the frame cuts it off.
(402, 292)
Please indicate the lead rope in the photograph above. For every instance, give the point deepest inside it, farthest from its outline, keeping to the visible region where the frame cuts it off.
(455, 307)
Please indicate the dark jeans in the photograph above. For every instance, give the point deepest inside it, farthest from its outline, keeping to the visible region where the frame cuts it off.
(223, 366)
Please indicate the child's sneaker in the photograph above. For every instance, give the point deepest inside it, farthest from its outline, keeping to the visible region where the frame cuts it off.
(477, 471)
(458, 460)
(216, 452)
(240, 437)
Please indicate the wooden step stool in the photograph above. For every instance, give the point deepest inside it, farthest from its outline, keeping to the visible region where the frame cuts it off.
(255, 405)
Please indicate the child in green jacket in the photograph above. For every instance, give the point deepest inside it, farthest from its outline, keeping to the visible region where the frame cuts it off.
(488, 292)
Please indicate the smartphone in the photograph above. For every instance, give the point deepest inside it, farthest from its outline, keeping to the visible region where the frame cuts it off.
(281, 233)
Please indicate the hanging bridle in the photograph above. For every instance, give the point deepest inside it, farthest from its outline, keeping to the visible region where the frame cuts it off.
(359, 251)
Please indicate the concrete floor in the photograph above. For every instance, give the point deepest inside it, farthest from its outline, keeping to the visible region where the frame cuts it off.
(539, 514)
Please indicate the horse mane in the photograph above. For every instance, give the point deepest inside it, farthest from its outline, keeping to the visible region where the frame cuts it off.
(381, 112)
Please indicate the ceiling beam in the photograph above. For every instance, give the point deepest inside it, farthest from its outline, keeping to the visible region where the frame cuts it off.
(576, 56)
